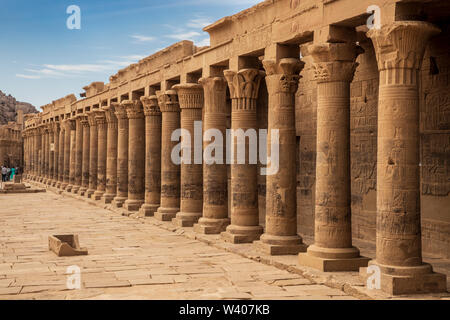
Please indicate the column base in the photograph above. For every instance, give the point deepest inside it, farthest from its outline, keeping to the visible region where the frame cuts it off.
(166, 214)
(54, 183)
(242, 234)
(407, 280)
(69, 188)
(186, 219)
(108, 198)
(58, 184)
(89, 193)
(148, 210)
(82, 191)
(98, 195)
(211, 226)
(119, 201)
(75, 189)
(332, 259)
(133, 205)
(281, 245)
(64, 186)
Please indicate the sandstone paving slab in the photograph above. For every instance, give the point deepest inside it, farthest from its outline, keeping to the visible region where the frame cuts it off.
(128, 258)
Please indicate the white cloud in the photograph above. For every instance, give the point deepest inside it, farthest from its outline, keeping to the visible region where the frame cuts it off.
(198, 23)
(27, 76)
(77, 70)
(140, 38)
(188, 35)
(203, 43)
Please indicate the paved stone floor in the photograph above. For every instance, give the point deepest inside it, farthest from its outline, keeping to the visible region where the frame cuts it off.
(128, 259)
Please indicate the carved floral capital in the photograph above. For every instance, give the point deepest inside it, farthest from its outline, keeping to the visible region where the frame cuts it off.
(402, 44)
(283, 75)
(150, 104)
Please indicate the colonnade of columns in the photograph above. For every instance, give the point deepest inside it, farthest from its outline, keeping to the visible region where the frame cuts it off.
(122, 154)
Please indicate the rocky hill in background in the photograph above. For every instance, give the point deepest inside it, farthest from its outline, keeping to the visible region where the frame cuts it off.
(9, 106)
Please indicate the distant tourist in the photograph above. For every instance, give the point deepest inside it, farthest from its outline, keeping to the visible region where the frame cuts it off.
(4, 173)
(13, 172)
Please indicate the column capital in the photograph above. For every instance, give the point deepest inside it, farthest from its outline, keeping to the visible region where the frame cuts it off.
(134, 109)
(150, 104)
(283, 75)
(121, 110)
(91, 118)
(244, 83)
(213, 84)
(56, 126)
(84, 120)
(334, 62)
(168, 101)
(69, 124)
(190, 95)
(100, 117)
(401, 44)
(110, 112)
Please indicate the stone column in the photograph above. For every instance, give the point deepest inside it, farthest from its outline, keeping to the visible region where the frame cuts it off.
(214, 218)
(61, 154)
(78, 155)
(35, 153)
(93, 152)
(72, 155)
(170, 172)
(67, 131)
(45, 147)
(152, 156)
(244, 89)
(50, 154)
(399, 48)
(190, 97)
(280, 235)
(41, 153)
(56, 133)
(111, 156)
(136, 155)
(102, 127)
(122, 156)
(334, 67)
(86, 156)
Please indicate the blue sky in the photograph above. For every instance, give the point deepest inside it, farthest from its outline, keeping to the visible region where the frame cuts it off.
(42, 60)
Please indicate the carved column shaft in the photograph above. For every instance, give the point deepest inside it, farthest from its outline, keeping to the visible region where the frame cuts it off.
(191, 101)
(61, 154)
(73, 154)
(122, 156)
(153, 127)
(78, 155)
(93, 153)
(334, 67)
(136, 155)
(45, 149)
(56, 133)
(102, 136)
(67, 132)
(281, 236)
(170, 172)
(85, 156)
(214, 218)
(111, 157)
(41, 145)
(244, 88)
(50, 152)
(400, 48)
